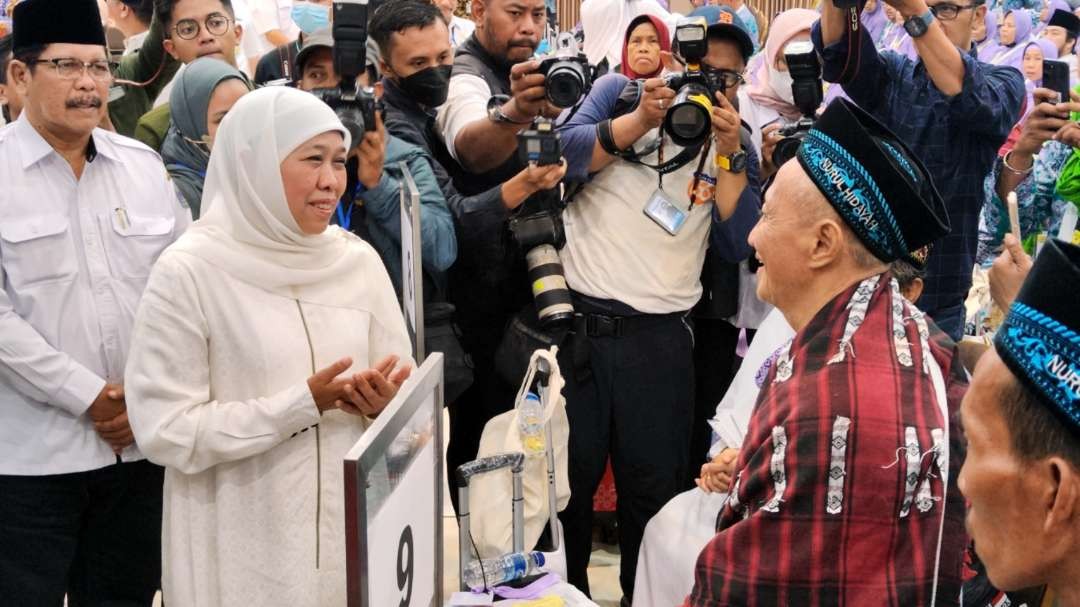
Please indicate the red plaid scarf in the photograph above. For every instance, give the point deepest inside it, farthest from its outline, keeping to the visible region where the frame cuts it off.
(838, 498)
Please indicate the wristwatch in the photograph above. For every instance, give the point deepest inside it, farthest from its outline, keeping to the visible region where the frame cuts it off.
(736, 163)
(917, 26)
(495, 113)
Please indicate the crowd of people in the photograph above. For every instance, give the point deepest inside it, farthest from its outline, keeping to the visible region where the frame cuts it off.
(814, 279)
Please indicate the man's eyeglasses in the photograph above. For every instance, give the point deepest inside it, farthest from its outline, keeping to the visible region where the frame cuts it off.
(947, 11)
(72, 69)
(724, 79)
(217, 24)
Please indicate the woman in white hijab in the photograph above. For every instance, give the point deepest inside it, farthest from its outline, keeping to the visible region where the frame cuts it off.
(262, 345)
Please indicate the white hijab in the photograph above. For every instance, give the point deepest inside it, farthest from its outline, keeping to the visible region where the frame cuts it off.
(246, 228)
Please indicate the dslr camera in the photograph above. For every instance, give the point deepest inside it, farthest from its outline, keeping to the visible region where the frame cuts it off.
(807, 91)
(567, 72)
(538, 230)
(354, 106)
(689, 120)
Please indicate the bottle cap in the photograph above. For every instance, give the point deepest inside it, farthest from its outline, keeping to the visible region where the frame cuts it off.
(539, 558)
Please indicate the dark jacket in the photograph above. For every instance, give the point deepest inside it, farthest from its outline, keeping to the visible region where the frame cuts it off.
(488, 280)
(150, 64)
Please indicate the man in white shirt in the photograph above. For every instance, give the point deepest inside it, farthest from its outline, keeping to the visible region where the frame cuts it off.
(273, 23)
(132, 17)
(1062, 29)
(460, 29)
(83, 215)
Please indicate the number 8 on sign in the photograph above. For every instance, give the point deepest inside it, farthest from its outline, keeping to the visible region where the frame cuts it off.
(405, 565)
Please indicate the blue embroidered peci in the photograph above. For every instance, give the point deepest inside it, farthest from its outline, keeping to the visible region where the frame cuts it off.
(854, 194)
(1047, 353)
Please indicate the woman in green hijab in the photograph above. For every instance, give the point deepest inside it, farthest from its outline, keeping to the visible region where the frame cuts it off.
(204, 92)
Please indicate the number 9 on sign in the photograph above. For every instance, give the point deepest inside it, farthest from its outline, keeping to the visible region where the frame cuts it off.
(405, 565)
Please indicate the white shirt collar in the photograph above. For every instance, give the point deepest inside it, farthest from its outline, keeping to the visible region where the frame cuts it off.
(33, 146)
(134, 43)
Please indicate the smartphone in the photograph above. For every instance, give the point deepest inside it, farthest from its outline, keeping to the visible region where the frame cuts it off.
(1056, 78)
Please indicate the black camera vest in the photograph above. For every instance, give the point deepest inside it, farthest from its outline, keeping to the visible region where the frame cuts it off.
(472, 59)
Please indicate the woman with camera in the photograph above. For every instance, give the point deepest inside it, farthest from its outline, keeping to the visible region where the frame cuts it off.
(263, 347)
(768, 103)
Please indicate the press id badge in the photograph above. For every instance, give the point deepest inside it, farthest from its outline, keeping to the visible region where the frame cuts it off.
(665, 213)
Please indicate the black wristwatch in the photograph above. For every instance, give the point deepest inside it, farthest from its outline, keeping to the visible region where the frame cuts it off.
(736, 163)
(918, 26)
(495, 113)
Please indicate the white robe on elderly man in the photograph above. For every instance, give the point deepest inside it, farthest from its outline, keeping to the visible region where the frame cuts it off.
(677, 534)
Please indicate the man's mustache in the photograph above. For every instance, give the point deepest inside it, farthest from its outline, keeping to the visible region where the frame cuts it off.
(83, 102)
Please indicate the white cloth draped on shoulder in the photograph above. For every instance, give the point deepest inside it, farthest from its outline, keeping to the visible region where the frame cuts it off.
(237, 315)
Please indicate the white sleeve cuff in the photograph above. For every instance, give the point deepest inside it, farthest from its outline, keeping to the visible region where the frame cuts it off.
(78, 391)
(296, 410)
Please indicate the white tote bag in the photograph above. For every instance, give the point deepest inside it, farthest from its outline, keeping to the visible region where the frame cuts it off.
(491, 494)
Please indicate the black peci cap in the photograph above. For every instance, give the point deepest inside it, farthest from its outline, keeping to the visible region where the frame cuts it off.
(43, 22)
(1066, 20)
(874, 182)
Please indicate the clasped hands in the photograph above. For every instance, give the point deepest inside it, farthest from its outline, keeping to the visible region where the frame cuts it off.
(365, 393)
(716, 475)
(108, 412)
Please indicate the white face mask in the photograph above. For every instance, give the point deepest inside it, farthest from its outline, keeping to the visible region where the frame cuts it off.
(780, 82)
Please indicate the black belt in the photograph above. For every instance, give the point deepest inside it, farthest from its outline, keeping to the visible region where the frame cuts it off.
(609, 318)
(605, 318)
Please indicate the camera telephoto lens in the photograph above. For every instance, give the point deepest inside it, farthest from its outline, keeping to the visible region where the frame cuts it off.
(565, 84)
(550, 293)
(688, 122)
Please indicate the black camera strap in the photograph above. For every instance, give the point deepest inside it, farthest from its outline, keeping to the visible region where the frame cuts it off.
(854, 36)
(662, 167)
(679, 161)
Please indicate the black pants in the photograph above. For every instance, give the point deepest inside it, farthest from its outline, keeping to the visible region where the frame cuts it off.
(637, 405)
(95, 536)
(487, 397)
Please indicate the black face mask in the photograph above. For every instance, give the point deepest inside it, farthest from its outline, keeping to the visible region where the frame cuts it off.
(429, 86)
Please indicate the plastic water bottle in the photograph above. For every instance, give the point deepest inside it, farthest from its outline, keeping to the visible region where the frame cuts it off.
(504, 569)
(531, 425)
